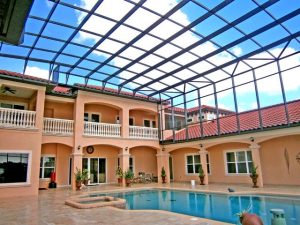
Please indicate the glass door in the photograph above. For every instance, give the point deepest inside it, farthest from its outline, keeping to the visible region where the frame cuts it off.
(96, 168)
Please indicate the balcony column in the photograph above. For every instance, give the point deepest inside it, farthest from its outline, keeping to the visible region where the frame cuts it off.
(40, 102)
(256, 162)
(125, 122)
(124, 161)
(203, 154)
(163, 161)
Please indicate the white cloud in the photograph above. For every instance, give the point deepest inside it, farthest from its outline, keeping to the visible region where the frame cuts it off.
(37, 72)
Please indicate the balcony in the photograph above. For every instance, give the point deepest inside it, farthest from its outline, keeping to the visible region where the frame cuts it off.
(14, 118)
(102, 129)
(58, 127)
(143, 132)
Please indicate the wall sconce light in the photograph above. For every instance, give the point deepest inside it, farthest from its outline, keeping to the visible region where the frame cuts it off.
(201, 145)
(163, 149)
(126, 149)
(252, 139)
(79, 147)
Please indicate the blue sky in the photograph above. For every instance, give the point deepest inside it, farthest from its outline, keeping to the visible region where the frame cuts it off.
(269, 88)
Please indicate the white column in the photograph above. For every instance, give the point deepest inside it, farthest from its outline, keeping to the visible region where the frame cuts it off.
(203, 161)
(256, 162)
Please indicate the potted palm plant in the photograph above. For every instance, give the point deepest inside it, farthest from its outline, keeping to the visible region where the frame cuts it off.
(163, 175)
(254, 176)
(119, 173)
(201, 175)
(85, 176)
(78, 179)
(128, 175)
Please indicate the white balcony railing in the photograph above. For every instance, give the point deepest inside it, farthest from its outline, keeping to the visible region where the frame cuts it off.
(143, 132)
(58, 126)
(17, 118)
(102, 129)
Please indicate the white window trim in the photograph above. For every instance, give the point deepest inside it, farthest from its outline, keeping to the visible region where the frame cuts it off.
(48, 155)
(89, 166)
(225, 162)
(28, 168)
(193, 174)
(90, 116)
(186, 170)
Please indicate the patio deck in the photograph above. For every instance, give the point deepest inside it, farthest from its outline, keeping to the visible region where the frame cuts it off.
(49, 207)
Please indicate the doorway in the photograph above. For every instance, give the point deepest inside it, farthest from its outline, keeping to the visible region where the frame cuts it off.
(171, 168)
(96, 168)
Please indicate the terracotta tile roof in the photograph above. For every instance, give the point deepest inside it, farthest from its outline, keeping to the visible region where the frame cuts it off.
(272, 116)
(115, 91)
(65, 90)
(19, 75)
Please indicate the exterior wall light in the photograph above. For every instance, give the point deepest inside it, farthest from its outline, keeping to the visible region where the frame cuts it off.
(252, 139)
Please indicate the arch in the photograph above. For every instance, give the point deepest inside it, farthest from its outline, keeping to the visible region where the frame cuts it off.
(144, 110)
(68, 141)
(264, 139)
(178, 149)
(110, 145)
(207, 147)
(154, 146)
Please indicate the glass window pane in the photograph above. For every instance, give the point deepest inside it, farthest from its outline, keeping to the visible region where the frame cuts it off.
(95, 118)
(196, 158)
(250, 166)
(86, 117)
(207, 158)
(208, 168)
(197, 166)
(242, 167)
(47, 172)
(249, 155)
(49, 161)
(231, 168)
(189, 159)
(230, 157)
(240, 156)
(190, 169)
(41, 163)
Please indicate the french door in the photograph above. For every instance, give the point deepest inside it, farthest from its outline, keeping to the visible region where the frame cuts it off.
(96, 168)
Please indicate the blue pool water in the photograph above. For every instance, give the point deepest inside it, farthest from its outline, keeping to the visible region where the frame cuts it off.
(212, 206)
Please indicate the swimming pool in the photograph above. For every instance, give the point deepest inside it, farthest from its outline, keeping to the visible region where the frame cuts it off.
(219, 207)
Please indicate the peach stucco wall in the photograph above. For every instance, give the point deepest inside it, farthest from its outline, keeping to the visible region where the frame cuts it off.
(107, 114)
(62, 155)
(274, 166)
(218, 166)
(111, 155)
(144, 160)
(60, 110)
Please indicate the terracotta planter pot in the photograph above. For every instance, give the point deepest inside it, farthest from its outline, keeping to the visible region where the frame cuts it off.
(85, 182)
(254, 180)
(163, 180)
(201, 180)
(120, 181)
(250, 219)
(128, 182)
(78, 185)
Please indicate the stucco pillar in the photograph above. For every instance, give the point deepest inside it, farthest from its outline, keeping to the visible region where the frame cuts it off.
(125, 122)
(256, 161)
(76, 165)
(203, 153)
(163, 161)
(124, 161)
(40, 102)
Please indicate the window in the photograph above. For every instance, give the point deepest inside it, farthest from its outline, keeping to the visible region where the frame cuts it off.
(239, 162)
(86, 117)
(131, 164)
(189, 120)
(146, 123)
(14, 167)
(47, 166)
(153, 123)
(193, 163)
(95, 118)
(131, 121)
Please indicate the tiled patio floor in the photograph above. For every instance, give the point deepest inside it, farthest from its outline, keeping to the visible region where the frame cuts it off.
(49, 208)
